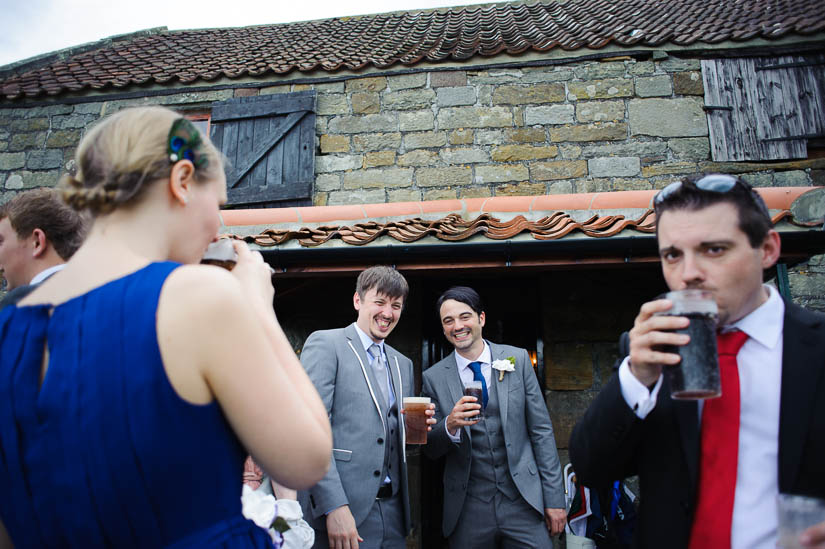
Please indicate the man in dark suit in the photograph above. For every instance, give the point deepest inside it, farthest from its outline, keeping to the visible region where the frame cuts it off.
(363, 501)
(38, 234)
(502, 477)
(714, 233)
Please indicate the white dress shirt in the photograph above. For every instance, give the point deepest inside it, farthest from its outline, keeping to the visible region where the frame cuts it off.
(466, 374)
(760, 378)
(46, 273)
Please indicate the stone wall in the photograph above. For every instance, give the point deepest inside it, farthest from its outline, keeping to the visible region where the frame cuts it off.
(619, 124)
(37, 144)
(590, 126)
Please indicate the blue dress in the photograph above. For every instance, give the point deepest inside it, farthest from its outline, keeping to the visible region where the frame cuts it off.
(105, 453)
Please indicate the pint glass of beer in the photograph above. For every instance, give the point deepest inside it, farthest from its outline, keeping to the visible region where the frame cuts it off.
(221, 253)
(697, 375)
(415, 419)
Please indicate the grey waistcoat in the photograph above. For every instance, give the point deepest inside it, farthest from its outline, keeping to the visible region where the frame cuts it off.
(392, 453)
(488, 470)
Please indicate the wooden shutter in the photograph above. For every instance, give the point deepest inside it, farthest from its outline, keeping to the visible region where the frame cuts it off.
(764, 108)
(270, 144)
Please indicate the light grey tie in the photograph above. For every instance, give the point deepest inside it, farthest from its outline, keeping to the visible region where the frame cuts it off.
(380, 368)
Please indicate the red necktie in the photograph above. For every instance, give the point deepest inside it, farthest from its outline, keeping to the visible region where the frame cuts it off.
(719, 452)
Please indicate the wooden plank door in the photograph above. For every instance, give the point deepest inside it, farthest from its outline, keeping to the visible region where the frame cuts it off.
(764, 108)
(269, 142)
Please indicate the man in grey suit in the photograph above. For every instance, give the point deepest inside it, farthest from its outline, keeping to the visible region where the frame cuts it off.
(502, 477)
(363, 500)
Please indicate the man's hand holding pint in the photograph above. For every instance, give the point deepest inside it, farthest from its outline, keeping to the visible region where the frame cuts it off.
(430, 412)
(463, 414)
(651, 331)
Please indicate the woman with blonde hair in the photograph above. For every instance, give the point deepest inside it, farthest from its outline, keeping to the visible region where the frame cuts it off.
(126, 410)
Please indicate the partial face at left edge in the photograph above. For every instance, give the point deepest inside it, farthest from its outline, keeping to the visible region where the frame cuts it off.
(15, 254)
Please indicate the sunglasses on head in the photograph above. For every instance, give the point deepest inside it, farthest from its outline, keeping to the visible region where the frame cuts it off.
(714, 183)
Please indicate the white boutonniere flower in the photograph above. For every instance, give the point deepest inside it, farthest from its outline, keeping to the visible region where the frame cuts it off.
(282, 519)
(259, 507)
(506, 365)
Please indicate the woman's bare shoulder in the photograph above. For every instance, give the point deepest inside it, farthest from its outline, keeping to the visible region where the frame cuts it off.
(200, 285)
(201, 311)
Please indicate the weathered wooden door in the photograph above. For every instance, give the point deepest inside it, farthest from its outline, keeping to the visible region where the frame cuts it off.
(269, 142)
(764, 108)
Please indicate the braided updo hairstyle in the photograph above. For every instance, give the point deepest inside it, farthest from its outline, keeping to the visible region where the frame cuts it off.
(122, 154)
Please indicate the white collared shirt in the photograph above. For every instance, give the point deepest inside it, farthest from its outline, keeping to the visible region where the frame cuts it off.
(46, 273)
(465, 373)
(760, 378)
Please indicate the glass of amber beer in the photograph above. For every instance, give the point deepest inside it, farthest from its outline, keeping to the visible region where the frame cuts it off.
(415, 419)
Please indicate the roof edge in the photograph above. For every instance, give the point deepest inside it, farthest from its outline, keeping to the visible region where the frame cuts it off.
(777, 198)
(37, 61)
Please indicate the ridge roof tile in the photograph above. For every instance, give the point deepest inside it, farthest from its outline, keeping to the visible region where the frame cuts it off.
(463, 219)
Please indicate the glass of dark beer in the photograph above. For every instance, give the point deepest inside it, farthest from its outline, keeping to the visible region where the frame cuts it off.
(221, 253)
(795, 514)
(697, 375)
(415, 419)
(473, 389)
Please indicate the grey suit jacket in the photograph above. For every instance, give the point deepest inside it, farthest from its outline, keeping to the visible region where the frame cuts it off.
(528, 433)
(339, 367)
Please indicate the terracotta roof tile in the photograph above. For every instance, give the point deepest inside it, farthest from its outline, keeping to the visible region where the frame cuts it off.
(387, 39)
(477, 217)
(454, 228)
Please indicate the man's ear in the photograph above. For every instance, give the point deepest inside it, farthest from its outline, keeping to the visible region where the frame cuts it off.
(356, 301)
(40, 244)
(770, 249)
(181, 180)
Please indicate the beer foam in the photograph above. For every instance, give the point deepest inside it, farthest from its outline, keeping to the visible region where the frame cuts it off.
(692, 301)
(416, 400)
(220, 250)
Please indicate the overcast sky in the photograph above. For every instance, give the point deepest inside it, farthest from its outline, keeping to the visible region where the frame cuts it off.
(33, 27)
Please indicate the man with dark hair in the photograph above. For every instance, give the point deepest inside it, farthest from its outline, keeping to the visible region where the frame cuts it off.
(714, 233)
(38, 234)
(502, 477)
(363, 501)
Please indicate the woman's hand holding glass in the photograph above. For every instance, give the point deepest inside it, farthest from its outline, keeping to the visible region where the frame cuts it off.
(254, 274)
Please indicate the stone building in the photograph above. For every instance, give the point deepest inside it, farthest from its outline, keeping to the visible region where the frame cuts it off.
(514, 147)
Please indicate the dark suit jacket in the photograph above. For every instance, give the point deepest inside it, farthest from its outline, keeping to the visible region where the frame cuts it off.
(20, 292)
(16, 295)
(611, 443)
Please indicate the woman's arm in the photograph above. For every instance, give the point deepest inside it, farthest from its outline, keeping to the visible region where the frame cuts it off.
(217, 340)
(255, 278)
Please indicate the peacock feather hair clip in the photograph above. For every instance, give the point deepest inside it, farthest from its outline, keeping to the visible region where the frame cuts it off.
(185, 143)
